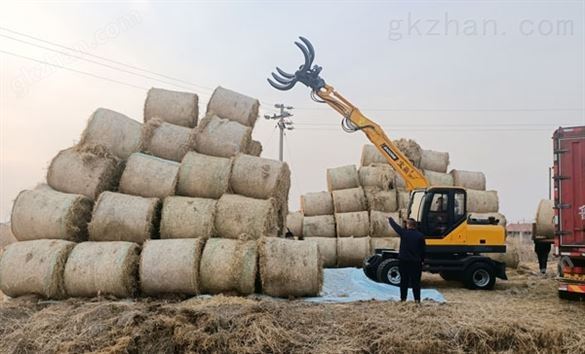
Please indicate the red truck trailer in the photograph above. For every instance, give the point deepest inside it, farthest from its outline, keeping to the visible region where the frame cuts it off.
(569, 206)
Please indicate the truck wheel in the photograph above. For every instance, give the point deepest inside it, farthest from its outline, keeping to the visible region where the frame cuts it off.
(389, 272)
(479, 276)
(450, 275)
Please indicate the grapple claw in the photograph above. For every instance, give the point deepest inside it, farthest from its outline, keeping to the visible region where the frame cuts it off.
(307, 65)
(281, 80)
(281, 87)
(284, 73)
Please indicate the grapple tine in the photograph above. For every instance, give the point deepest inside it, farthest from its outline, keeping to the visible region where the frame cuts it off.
(281, 87)
(309, 47)
(305, 51)
(284, 73)
(280, 79)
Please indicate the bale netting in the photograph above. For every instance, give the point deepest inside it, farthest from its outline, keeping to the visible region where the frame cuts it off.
(290, 268)
(485, 216)
(34, 267)
(294, 223)
(102, 268)
(371, 155)
(254, 148)
(386, 242)
(545, 214)
(234, 106)
(119, 134)
(378, 175)
(319, 226)
(349, 200)
(229, 267)
(121, 217)
(438, 178)
(39, 214)
(238, 216)
(351, 251)
(179, 108)
(342, 177)
(327, 250)
(434, 161)
(317, 203)
(402, 199)
(185, 217)
(468, 179)
(149, 176)
(170, 266)
(482, 201)
(221, 137)
(511, 257)
(86, 170)
(379, 225)
(166, 140)
(355, 224)
(204, 176)
(381, 200)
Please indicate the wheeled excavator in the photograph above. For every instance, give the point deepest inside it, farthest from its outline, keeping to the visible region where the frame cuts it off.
(455, 241)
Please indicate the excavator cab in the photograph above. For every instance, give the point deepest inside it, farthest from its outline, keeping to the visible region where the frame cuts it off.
(438, 211)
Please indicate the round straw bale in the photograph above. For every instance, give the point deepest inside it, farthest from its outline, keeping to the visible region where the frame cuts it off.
(327, 250)
(184, 217)
(381, 200)
(228, 266)
(102, 268)
(149, 176)
(166, 140)
(179, 108)
(6, 236)
(355, 224)
(399, 183)
(511, 257)
(121, 217)
(239, 216)
(438, 178)
(294, 222)
(410, 149)
(379, 226)
(40, 214)
(403, 198)
(261, 178)
(348, 200)
(119, 134)
(484, 216)
(86, 170)
(468, 179)
(377, 175)
(290, 268)
(351, 251)
(204, 176)
(343, 177)
(387, 243)
(317, 203)
(403, 215)
(221, 137)
(482, 201)
(34, 267)
(319, 226)
(234, 106)
(371, 155)
(254, 148)
(545, 214)
(170, 266)
(434, 160)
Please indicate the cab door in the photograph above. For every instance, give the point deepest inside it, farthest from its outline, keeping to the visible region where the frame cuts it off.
(442, 211)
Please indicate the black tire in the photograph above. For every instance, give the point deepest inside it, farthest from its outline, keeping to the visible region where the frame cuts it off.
(479, 276)
(451, 275)
(370, 266)
(389, 272)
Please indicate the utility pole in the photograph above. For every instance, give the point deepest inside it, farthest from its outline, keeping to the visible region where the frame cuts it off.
(283, 123)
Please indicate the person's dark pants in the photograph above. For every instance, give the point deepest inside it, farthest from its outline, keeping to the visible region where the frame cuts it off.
(542, 250)
(410, 273)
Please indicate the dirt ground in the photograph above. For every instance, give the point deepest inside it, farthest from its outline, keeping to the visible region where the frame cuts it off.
(523, 314)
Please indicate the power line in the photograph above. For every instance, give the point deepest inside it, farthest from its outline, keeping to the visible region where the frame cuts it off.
(454, 125)
(456, 109)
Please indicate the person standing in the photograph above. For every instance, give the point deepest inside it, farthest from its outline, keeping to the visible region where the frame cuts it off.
(411, 256)
(542, 249)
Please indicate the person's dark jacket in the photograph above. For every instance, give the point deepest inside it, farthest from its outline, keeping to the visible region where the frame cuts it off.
(412, 243)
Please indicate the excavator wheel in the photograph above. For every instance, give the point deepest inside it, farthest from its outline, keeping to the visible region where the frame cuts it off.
(389, 272)
(479, 276)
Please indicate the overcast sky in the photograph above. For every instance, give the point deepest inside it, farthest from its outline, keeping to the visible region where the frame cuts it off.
(487, 81)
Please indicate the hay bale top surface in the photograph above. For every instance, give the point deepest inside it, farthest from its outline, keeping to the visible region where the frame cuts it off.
(234, 106)
(180, 108)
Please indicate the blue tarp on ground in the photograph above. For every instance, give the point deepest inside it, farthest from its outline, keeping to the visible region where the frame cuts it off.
(351, 284)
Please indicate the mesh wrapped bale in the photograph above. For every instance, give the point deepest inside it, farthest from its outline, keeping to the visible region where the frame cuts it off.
(6, 236)
(238, 216)
(221, 137)
(379, 226)
(149, 176)
(290, 268)
(185, 217)
(434, 160)
(294, 223)
(317, 203)
(511, 257)
(403, 198)
(485, 216)
(348, 200)
(229, 266)
(351, 251)
(119, 134)
(170, 266)
(377, 175)
(102, 268)
(204, 176)
(327, 250)
(179, 108)
(254, 148)
(381, 200)
(86, 170)
(166, 140)
(319, 226)
(234, 106)
(386, 242)
(371, 155)
(438, 178)
(545, 214)
(355, 224)
(121, 217)
(468, 179)
(410, 149)
(34, 267)
(482, 201)
(343, 177)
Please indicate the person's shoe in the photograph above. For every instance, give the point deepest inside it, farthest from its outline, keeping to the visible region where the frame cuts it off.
(543, 271)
